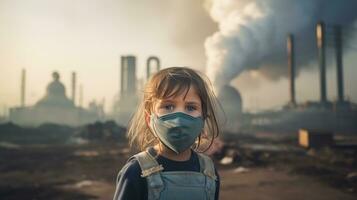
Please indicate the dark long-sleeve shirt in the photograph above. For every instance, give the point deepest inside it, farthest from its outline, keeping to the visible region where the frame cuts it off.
(130, 184)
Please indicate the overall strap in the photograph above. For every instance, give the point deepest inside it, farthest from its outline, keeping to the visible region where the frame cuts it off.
(150, 169)
(207, 166)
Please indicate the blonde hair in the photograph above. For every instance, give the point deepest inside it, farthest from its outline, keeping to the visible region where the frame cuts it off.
(167, 83)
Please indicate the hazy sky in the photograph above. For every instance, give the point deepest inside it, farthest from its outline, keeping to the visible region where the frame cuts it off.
(88, 36)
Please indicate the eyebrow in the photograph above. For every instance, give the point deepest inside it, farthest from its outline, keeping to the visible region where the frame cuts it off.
(166, 101)
(193, 102)
(171, 101)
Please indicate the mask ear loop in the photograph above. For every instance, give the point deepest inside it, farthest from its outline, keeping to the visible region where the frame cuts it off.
(202, 136)
(203, 132)
(153, 131)
(199, 139)
(198, 142)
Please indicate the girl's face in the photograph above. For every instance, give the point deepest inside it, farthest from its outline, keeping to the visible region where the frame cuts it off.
(189, 104)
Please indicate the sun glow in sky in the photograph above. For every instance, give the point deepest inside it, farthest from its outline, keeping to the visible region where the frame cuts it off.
(83, 36)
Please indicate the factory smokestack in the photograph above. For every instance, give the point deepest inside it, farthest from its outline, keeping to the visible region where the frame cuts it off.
(128, 98)
(148, 65)
(128, 75)
(291, 66)
(23, 87)
(121, 72)
(251, 34)
(339, 62)
(81, 95)
(74, 88)
(320, 36)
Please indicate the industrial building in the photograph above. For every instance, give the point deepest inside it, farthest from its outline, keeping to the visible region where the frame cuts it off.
(129, 95)
(324, 115)
(232, 105)
(54, 107)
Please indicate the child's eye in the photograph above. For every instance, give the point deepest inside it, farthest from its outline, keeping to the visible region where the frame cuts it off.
(168, 107)
(191, 108)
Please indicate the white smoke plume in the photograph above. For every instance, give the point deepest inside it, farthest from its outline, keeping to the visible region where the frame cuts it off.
(253, 33)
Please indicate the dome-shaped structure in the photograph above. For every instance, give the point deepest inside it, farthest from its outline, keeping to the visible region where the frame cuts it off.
(56, 108)
(56, 88)
(55, 94)
(231, 102)
(230, 97)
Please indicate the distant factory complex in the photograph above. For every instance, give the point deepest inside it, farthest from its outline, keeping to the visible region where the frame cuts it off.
(325, 115)
(340, 115)
(54, 107)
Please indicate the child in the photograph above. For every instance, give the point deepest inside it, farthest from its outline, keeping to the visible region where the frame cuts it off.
(176, 118)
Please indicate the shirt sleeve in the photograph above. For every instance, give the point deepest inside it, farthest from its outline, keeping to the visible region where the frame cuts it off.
(130, 185)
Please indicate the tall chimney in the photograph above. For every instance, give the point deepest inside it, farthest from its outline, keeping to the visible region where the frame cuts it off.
(74, 87)
(128, 75)
(320, 36)
(23, 87)
(148, 65)
(339, 62)
(131, 75)
(291, 66)
(121, 91)
(81, 95)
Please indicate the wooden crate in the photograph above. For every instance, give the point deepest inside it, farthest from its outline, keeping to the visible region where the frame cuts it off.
(315, 139)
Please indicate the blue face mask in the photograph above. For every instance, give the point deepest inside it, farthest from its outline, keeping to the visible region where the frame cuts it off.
(178, 131)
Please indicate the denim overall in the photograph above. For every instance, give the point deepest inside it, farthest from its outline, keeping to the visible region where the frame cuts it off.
(178, 185)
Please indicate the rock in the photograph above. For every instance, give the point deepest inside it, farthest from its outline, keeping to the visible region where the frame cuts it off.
(241, 170)
(226, 160)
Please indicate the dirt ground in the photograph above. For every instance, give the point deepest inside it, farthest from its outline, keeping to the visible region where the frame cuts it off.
(89, 171)
(255, 184)
(269, 184)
